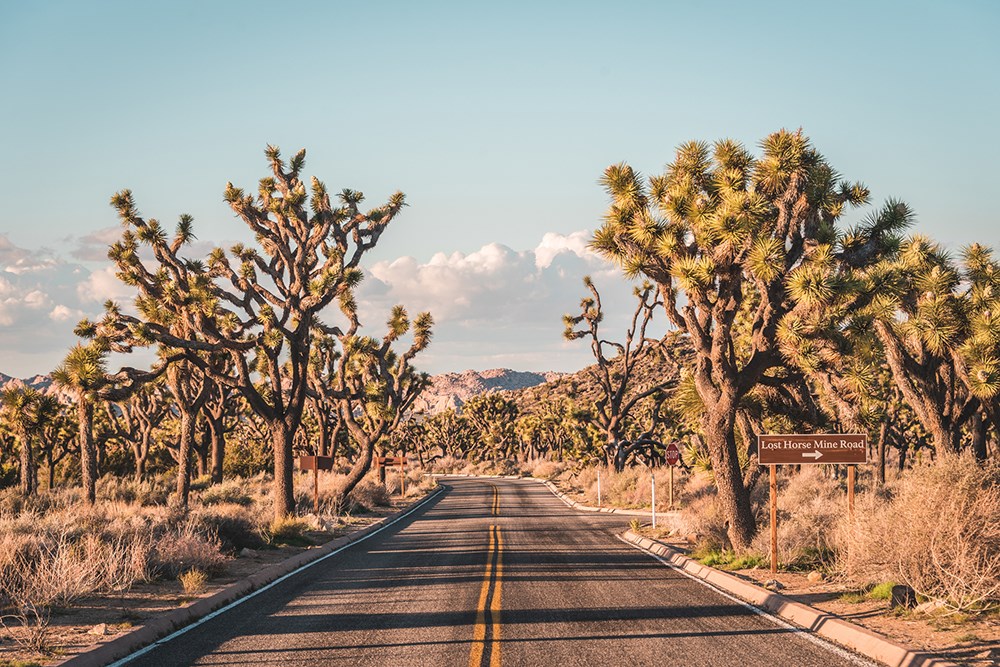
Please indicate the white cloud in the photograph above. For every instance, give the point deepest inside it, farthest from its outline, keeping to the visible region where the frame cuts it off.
(102, 285)
(499, 306)
(62, 313)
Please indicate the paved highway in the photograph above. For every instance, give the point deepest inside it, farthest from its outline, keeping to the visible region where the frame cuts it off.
(493, 572)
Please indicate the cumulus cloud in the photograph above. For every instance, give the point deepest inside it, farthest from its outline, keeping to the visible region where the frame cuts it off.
(498, 306)
(102, 285)
(18, 261)
(62, 313)
(93, 247)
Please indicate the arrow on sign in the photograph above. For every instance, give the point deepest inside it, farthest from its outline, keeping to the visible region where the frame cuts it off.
(812, 455)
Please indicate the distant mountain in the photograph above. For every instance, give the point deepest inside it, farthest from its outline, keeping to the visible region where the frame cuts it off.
(41, 383)
(452, 390)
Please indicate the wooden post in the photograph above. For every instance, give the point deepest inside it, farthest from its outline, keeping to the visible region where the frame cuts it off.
(316, 490)
(774, 519)
(402, 478)
(652, 482)
(598, 487)
(671, 507)
(850, 491)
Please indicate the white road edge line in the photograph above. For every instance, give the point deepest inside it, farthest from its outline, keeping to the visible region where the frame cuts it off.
(806, 634)
(204, 619)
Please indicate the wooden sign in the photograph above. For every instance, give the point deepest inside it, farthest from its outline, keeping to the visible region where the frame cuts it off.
(839, 448)
(315, 463)
(390, 460)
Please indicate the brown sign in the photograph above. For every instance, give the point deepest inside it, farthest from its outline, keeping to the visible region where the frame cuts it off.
(390, 460)
(315, 463)
(849, 448)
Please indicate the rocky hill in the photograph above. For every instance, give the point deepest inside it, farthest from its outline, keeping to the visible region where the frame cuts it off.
(42, 383)
(452, 390)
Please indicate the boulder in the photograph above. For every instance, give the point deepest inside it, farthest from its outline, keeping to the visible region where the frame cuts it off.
(815, 577)
(99, 629)
(903, 596)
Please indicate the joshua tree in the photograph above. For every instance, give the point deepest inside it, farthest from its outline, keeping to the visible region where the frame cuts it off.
(136, 419)
(492, 418)
(21, 409)
(616, 376)
(730, 232)
(264, 312)
(84, 373)
(375, 385)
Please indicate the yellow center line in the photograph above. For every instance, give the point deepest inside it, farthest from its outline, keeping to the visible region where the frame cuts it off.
(495, 606)
(491, 580)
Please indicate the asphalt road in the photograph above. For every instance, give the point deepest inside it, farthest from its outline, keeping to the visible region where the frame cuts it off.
(493, 572)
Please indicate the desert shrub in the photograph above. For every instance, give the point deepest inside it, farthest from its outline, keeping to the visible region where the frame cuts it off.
(445, 465)
(701, 517)
(152, 491)
(288, 530)
(366, 496)
(935, 531)
(544, 468)
(230, 491)
(52, 570)
(193, 581)
(233, 525)
(187, 549)
(809, 507)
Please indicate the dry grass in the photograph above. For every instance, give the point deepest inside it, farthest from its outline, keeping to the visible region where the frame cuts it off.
(809, 506)
(194, 582)
(935, 530)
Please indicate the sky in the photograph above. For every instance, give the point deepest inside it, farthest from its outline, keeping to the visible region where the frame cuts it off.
(495, 119)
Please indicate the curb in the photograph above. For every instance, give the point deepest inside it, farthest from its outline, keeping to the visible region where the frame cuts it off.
(830, 626)
(160, 626)
(566, 499)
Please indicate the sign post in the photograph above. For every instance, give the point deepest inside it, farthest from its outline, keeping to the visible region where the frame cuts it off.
(598, 487)
(316, 463)
(774, 519)
(673, 455)
(652, 483)
(836, 448)
(382, 461)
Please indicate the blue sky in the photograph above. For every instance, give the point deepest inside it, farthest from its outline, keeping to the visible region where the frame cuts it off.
(495, 119)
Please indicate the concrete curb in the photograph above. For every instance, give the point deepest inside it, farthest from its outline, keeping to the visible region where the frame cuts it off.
(827, 625)
(566, 499)
(160, 626)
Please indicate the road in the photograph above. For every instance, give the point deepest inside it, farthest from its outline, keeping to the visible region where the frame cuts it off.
(493, 572)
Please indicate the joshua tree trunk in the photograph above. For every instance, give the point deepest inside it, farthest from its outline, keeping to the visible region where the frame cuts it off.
(284, 488)
(88, 453)
(29, 474)
(184, 457)
(883, 433)
(733, 496)
(218, 448)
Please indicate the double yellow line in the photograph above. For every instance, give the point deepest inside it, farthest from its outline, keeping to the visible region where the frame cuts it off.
(486, 634)
(496, 501)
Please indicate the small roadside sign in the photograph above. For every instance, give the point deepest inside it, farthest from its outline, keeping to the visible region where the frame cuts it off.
(673, 455)
(835, 448)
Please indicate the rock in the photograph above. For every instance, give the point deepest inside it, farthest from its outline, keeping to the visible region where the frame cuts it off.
(815, 577)
(247, 553)
(929, 607)
(99, 629)
(692, 538)
(903, 596)
(773, 585)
